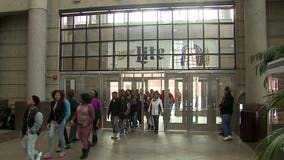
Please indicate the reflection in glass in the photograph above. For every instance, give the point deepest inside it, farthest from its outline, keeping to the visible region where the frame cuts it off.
(67, 22)
(80, 21)
(107, 49)
(79, 64)
(93, 49)
(165, 31)
(226, 15)
(195, 31)
(120, 18)
(120, 62)
(135, 33)
(134, 64)
(211, 46)
(120, 33)
(165, 17)
(180, 16)
(210, 15)
(135, 18)
(66, 50)
(227, 62)
(227, 31)
(121, 48)
(79, 35)
(227, 46)
(180, 31)
(107, 34)
(79, 50)
(93, 34)
(66, 64)
(195, 15)
(211, 61)
(150, 32)
(211, 30)
(150, 17)
(67, 36)
(93, 63)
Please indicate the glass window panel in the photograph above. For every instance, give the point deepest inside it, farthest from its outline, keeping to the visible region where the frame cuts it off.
(179, 45)
(66, 50)
(149, 54)
(150, 32)
(211, 46)
(120, 33)
(227, 46)
(67, 36)
(195, 47)
(227, 62)
(120, 62)
(79, 50)
(195, 31)
(106, 63)
(80, 21)
(120, 48)
(107, 34)
(93, 49)
(135, 18)
(135, 47)
(210, 15)
(135, 63)
(165, 17)
(107, 49)
(80, 35)
(120, 18)
(226, 15)
(226, 31)
(135, 33)
(180, 32)
(181, 62)
(165, 62)
(79, 63)
(93, 20)
(106, 19)
(195, 16)
(150, 17)
(93, 34)
(165, 47)
(211, 31)
(165, 31)
(211, 61)
(180, 16)
(67, 22)
(150, 64)
(93, 63)
(196, 61)
(66, 64)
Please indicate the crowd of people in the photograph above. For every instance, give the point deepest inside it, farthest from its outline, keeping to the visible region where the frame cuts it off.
(85, 118)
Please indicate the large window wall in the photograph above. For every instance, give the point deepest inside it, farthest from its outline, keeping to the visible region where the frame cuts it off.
(188, 38)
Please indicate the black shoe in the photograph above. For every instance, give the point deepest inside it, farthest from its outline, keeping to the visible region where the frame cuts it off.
(67, 146)
(84, 154)
(95, 140)
(149, 126)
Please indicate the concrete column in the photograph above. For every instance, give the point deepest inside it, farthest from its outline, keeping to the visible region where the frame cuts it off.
(255, 41)
(36, 48)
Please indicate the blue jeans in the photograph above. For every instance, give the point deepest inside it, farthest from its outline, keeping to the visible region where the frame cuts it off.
(226, 125)
(52, 131)
(156, 122)
(134, 120)
(28, 145)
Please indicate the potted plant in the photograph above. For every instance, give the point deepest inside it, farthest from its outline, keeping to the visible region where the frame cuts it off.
(273, 145)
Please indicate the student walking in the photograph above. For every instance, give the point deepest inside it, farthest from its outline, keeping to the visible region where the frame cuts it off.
(155, 109)
(96, 103)
(73, 105)
(84, 115)
(31, 128)
(56, 122)
(114, 111)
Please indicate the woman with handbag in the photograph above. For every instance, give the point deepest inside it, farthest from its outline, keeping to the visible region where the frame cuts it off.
(155, 109)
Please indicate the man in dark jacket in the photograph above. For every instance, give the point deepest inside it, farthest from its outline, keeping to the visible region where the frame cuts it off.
(32, 124)
(114, 111)
(226, 108)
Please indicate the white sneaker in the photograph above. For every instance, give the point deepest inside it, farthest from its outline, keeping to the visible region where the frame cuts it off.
(38, 155)
(229, 137)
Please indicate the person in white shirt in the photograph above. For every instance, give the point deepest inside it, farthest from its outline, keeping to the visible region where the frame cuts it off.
(155, 109)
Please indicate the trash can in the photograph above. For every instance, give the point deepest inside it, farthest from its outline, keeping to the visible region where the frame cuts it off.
(249, 126)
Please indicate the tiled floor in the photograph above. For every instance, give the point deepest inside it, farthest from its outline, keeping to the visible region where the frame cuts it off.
(146, 146)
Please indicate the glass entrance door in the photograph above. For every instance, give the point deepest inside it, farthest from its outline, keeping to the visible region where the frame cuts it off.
(111, 83)
(175, 102)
